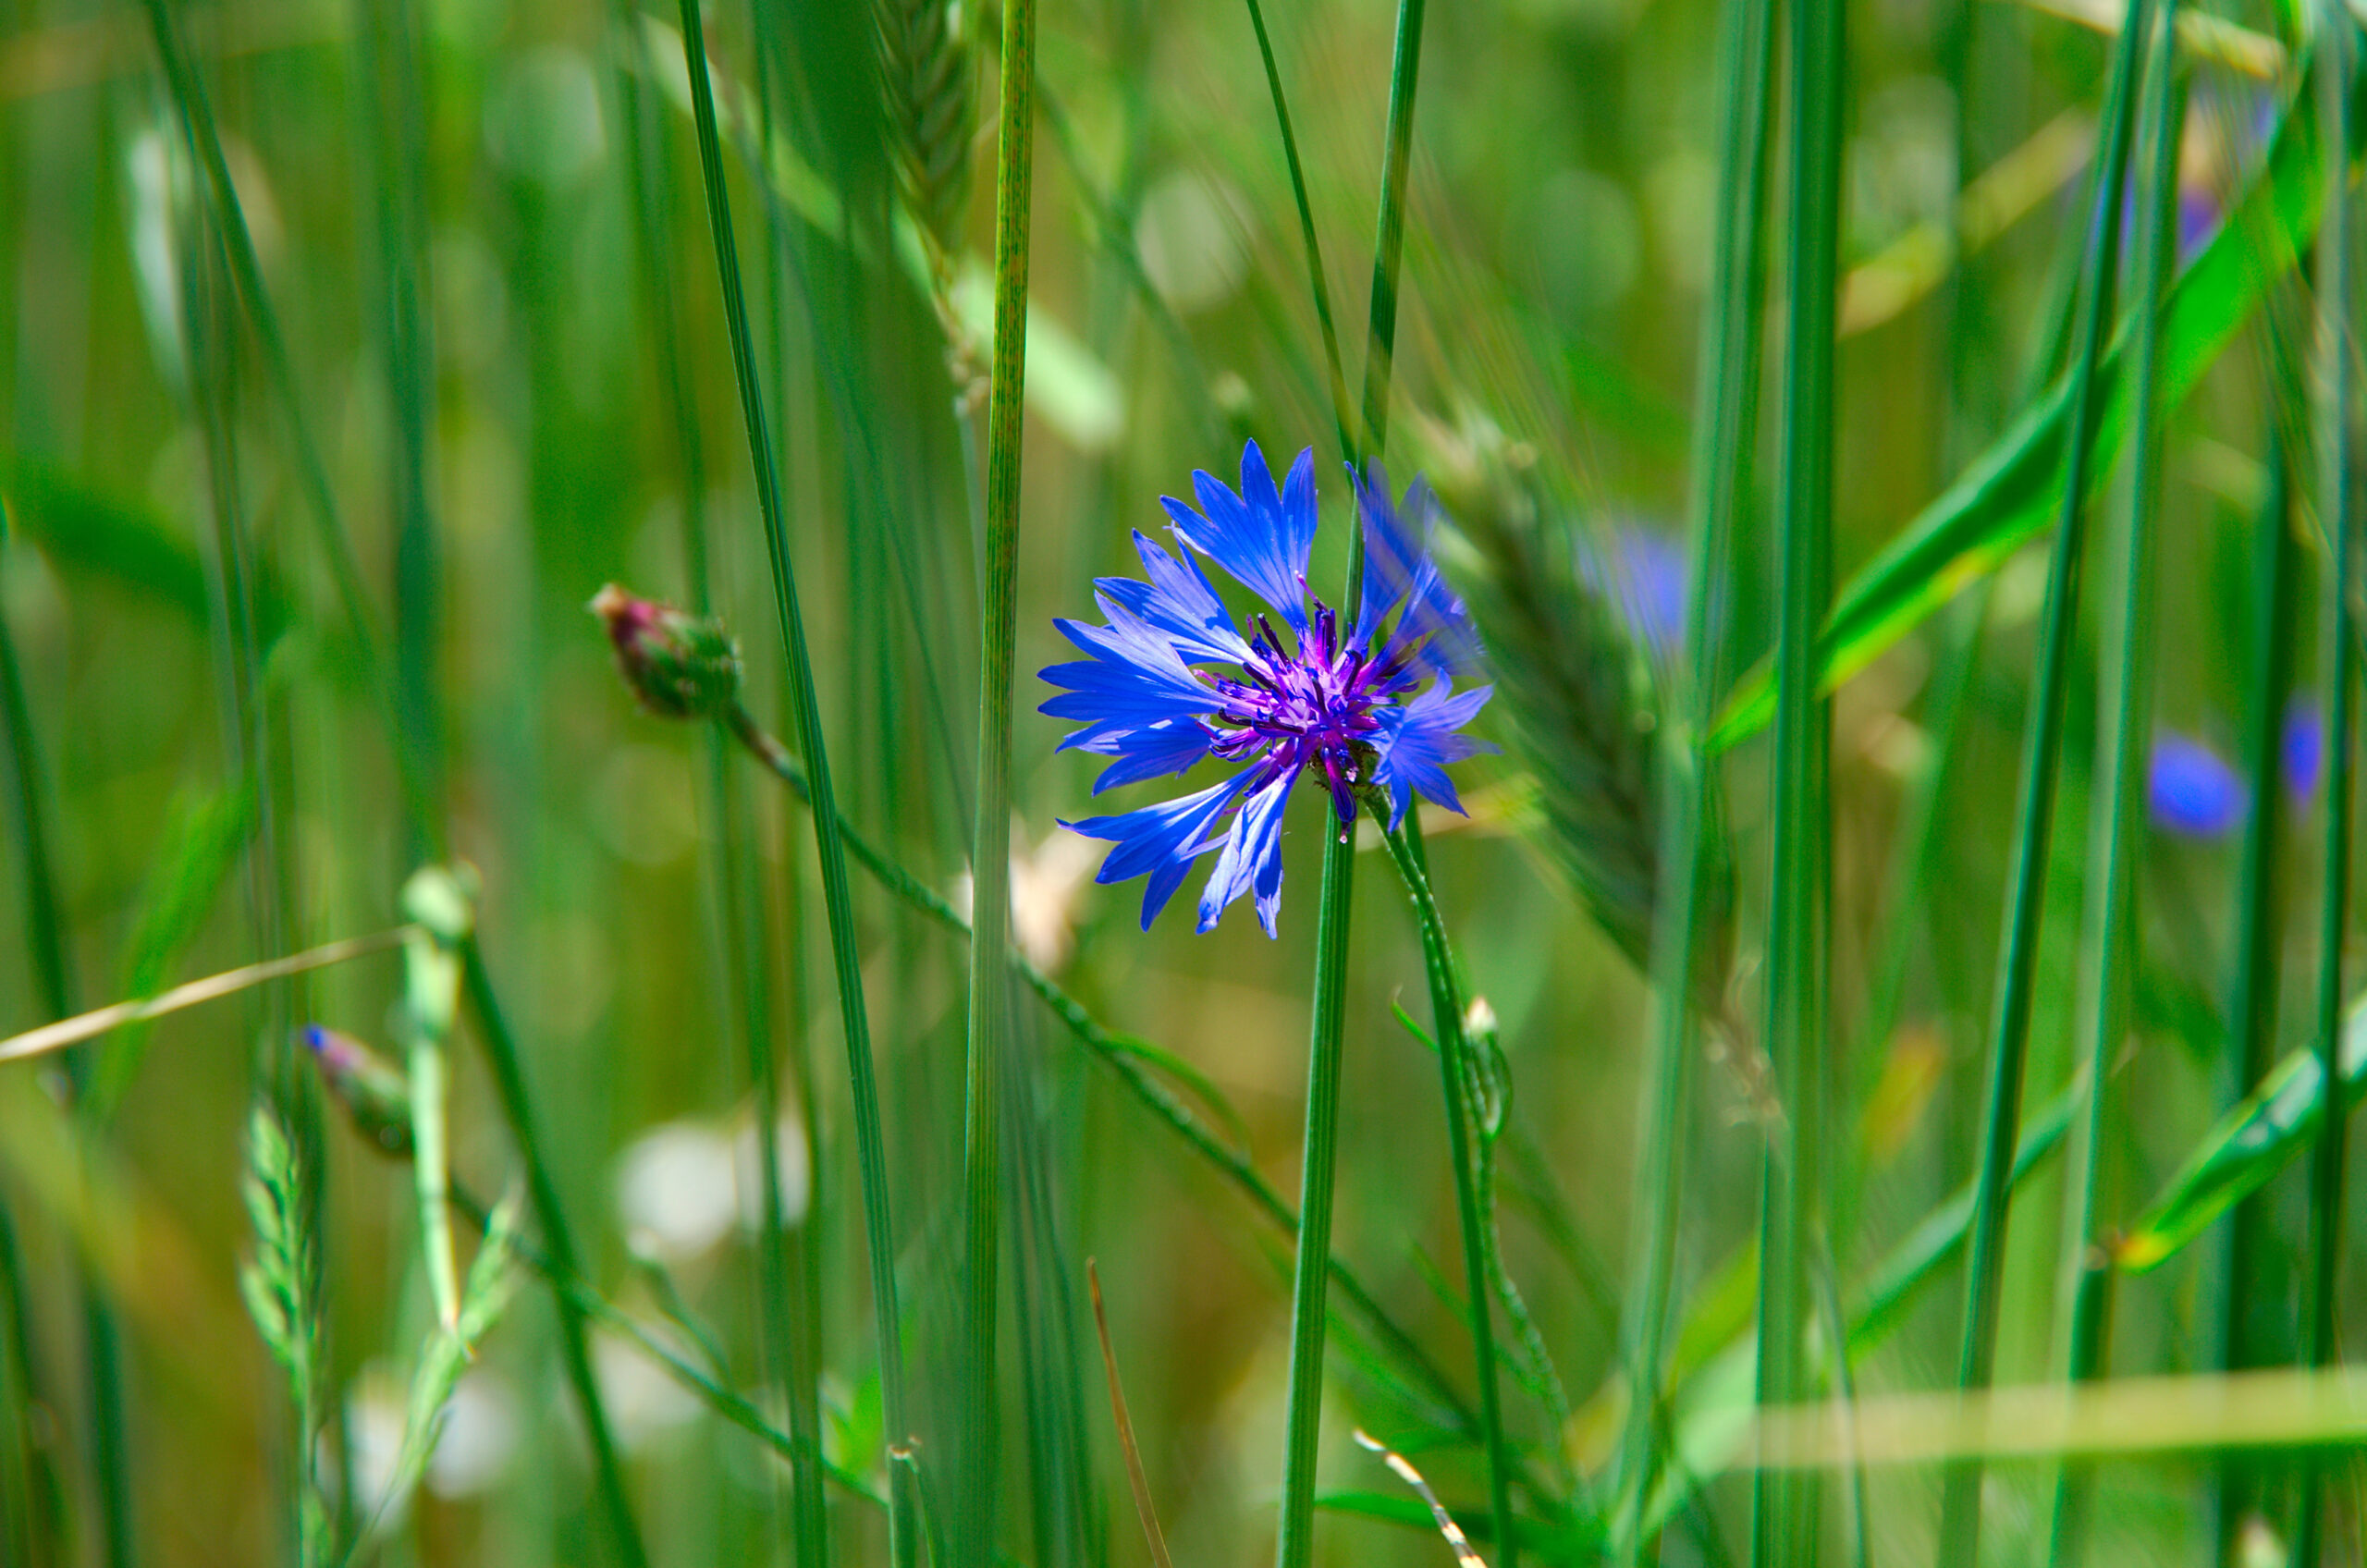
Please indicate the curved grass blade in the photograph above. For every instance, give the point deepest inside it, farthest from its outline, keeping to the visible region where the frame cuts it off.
(2008, 496)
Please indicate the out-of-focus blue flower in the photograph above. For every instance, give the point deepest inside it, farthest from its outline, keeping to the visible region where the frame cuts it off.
(1643, 572)
(2301, 750)
(2191, 790)
(1345, 702)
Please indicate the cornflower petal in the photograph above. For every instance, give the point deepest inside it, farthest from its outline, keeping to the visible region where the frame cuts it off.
(1251, 535)
(1253, 852)
(1161, 839)
(1178, 600)
(1172, 745)
(1435, 628)
(1419, 739)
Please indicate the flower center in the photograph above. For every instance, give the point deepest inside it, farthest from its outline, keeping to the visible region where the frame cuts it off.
(1310, 707)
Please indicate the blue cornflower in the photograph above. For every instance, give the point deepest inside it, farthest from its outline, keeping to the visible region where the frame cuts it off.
(1336, 700)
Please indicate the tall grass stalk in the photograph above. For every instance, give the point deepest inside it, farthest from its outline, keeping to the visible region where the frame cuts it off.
(2042, 752)
(1725, 419)
(2125, 700)
(559, 1240)
(989, 1022)
(2278, 599)
(1294, 1533)
(1799, 903)
(837, 900)
(2337, 347)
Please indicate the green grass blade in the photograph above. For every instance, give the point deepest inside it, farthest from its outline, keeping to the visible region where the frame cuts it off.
(2010, 493)
(2338, 345)
(838, 902)
(2041, 753)
(989, 1022)
(2125, 699)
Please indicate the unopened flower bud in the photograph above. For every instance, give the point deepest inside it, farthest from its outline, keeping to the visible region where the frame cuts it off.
(375, 1093)
(679, 666)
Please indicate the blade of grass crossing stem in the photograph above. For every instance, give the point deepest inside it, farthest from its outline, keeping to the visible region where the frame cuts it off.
(558, 1241)
(2320, 1343)
(2042, 752)
(837, 900)
(107, 1452)
(1294, 1533)
(1725, 420)
(2124, 698)
(989, 1022)
(1318, 288)
(1791, 1210)
(1446, 1012)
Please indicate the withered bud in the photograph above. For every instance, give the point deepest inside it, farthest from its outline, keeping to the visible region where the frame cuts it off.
(680, 665)
(375, 1095)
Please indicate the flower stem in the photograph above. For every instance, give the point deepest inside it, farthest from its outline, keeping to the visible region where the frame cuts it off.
(837, 899)
(1463, 1121)
(991, 842)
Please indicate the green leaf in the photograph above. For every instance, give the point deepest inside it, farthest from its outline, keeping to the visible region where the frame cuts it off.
(2007, 497)
(1578, 1544)
(2251, 1144)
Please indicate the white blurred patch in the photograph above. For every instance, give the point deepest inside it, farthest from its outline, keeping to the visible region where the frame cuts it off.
(643, 1402)
(1045, 882)
(162, 190)
(480, 1437)
(684, 1186)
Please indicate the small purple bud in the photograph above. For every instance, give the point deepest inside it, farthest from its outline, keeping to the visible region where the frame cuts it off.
(2191, 790)
(679, 666)
(374, 1095)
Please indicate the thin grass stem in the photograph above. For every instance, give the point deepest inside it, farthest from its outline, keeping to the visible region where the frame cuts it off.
(1318, 289)
(510, 1085)
(837, 900)
(2337, 345)
(2125, 699)
(2042, 752)
(989, 1020)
